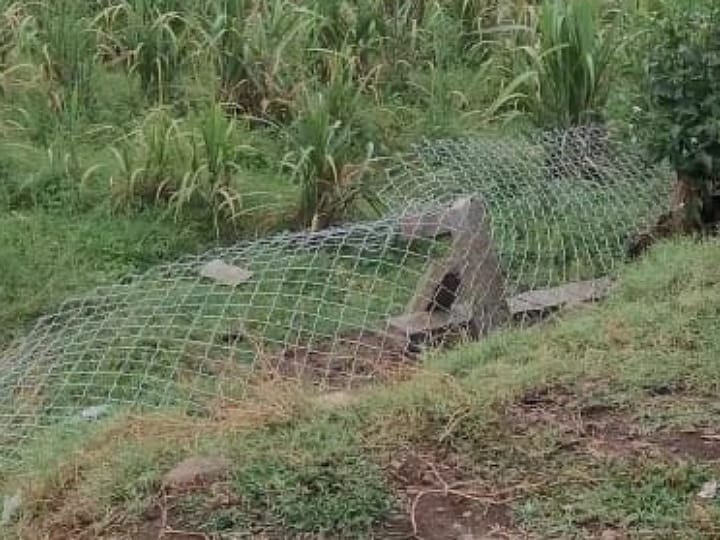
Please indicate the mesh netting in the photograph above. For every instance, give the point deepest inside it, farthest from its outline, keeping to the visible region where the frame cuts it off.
(470, 224)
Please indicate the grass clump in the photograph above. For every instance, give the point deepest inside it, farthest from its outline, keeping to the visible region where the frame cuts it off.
(571, 62)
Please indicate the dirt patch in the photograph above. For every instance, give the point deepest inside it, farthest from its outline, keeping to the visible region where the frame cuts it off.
(603, 430)
(561, 408)
(351, 360)
(173, 515)
(440, 505)
(440, 517)
(694, 445)
(595, 428)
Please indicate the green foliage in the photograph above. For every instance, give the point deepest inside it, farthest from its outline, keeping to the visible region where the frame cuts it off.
(64, 41)
(684, 84)
(150, 38)
(571, 63)
(186, 166)
(257, 51)
(342, 494)
(326, 156)
(81, 77)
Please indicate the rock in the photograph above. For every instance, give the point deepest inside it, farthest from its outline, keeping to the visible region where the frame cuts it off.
(196, 471)
(547, 300)
(225, 274)
(709, 490)
(93, 414)
(11, 507)
(336, 399)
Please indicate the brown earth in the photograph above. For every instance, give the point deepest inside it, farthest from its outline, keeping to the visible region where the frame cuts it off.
(349, 361)
(605, 430)
(440, 505)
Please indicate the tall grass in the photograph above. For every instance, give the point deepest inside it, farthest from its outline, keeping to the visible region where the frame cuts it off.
(150, 37)
(571, 63)
(175, 84)
(61, 40)
(257, 51)
(326, 156)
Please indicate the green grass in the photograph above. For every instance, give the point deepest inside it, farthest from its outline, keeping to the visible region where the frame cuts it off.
(303, 466)
(48, 256)
(643, 497)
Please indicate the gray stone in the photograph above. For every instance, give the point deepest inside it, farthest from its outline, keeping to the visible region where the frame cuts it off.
(225, 274)
(11, 508)
(546, 300)
(423, 327)
(95, 413)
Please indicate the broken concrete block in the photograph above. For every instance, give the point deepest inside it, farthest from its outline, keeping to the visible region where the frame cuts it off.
(437, 222)
(461, 291)
(225, 274)
(469, 275)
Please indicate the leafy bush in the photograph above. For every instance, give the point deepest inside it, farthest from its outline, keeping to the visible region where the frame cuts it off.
(684, 86)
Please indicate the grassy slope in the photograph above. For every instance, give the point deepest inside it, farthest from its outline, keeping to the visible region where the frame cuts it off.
(589, 426)
(47, 256)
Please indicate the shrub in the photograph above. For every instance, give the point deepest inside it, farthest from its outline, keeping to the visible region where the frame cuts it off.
(683, 72)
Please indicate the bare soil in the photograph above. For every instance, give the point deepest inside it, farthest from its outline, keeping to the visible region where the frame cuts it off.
(352, 360)
(605, 430)
(441, 504)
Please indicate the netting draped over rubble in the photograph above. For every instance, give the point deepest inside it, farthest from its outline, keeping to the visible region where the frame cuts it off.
(475, 232)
